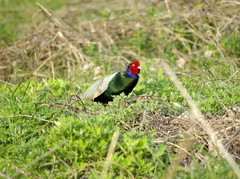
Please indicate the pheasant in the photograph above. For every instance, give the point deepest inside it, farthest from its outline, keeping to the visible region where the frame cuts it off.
(104, 89)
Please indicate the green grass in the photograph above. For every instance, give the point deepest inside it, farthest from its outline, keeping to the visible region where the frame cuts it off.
(87, 137)
(24, 123)
(41, 138)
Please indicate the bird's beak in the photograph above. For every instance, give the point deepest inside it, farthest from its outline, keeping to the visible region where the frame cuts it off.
(139, 67)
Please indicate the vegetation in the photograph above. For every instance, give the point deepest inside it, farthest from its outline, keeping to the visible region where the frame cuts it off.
(50, 51)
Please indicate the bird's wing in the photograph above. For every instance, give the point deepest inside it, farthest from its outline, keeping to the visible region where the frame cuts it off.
(99, 87)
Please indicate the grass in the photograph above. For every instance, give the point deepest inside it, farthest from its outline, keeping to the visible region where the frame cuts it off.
(16, 17)
(54, 50)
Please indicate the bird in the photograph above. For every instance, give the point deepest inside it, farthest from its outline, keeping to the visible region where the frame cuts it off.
(104, 89)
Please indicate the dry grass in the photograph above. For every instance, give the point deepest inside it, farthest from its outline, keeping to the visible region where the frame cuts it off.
(169, 127)
(58, 43)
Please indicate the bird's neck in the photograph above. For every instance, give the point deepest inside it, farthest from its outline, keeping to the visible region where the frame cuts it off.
(130, 74)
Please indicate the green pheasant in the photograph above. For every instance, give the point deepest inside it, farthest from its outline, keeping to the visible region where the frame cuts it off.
(104, 89)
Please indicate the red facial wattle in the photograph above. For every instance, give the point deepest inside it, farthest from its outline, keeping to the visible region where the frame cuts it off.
(135, 67)
(134, 70)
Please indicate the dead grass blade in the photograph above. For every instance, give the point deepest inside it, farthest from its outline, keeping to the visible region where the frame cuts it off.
(110, 154)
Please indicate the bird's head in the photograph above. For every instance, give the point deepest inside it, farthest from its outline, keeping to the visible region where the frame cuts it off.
(134, 67)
